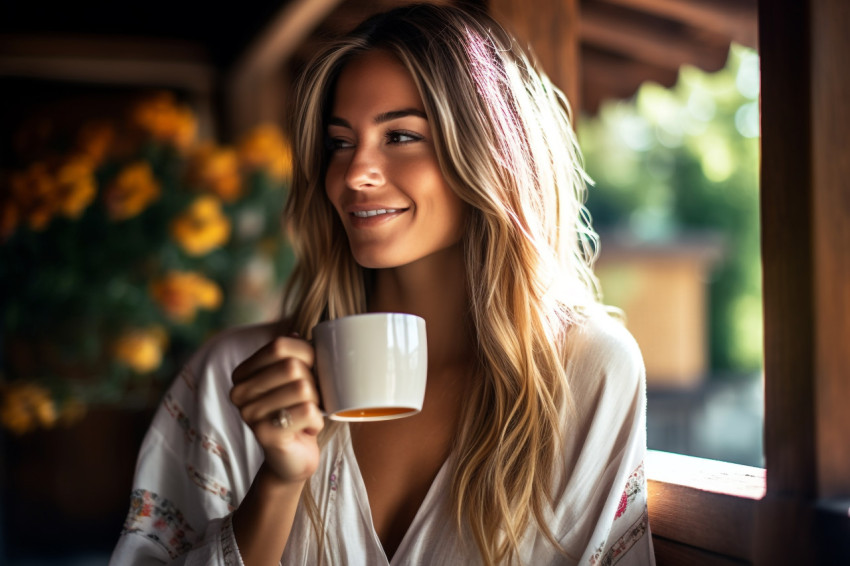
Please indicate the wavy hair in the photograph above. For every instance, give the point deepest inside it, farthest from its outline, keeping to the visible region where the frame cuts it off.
(506, 147)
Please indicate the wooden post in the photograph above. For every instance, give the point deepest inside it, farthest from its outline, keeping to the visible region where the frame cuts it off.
(255, 91)
(550, 28)
(806, 237)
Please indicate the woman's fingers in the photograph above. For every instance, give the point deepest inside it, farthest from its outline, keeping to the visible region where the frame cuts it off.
(305, 417)
(292, 451)
(271, 377)
(276, 396)
(278, 349)
(287, 396)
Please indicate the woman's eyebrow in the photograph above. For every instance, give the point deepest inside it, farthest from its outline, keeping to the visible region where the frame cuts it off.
(381, 118)
(395, 114)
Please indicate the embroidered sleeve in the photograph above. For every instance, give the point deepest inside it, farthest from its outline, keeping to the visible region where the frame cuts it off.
(158, 520)
(229, 549)
(603, 509)
(195, 465)
(630, 527)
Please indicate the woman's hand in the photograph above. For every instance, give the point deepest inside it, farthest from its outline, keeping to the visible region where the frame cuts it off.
(279, 377)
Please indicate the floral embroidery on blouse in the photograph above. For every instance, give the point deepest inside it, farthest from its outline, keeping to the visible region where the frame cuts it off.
(188, 378)
(211, 485)
(633, 534)
(178, 415)
(191, 435)
(229, 550)
(213, 447)
(159, 520)
(634, 485)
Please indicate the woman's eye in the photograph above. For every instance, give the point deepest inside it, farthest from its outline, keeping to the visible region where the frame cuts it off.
(335, 144)
(399, 137)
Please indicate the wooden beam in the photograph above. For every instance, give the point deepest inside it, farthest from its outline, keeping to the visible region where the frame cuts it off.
(610, 76)
(736, 18)
(149, 64)
(649, 40)
(255, 91)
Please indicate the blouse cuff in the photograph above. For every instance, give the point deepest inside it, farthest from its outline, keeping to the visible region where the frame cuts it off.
(229, 548)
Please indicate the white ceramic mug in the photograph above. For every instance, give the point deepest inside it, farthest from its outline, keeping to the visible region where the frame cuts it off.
(372, 367)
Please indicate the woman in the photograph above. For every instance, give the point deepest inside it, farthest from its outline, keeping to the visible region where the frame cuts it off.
(436, 173)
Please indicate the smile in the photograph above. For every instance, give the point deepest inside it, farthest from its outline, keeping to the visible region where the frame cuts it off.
(368, 213)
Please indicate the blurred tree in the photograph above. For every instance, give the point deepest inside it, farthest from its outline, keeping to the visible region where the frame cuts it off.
(673, 161)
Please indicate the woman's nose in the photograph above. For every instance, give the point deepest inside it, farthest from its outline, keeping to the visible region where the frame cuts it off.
(365, 169)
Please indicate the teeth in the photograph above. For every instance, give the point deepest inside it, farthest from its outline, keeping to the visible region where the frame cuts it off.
(367, 213)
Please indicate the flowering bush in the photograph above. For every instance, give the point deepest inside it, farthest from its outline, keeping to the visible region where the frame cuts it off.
(119, 254)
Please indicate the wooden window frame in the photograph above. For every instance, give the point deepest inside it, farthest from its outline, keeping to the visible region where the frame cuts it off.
(719, 517)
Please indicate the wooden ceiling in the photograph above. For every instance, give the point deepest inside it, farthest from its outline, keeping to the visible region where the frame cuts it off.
(627, 42)
(621, 43)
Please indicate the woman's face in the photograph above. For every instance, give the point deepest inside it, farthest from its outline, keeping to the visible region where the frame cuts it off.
(383, 177)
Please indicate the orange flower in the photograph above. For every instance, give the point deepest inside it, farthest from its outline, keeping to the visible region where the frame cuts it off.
(25, 407)
(141, 349)
(202, 228)
(265, 148)
(132, 191)
(164, 120)
(95, 139)
(181, 294)
(76, 185)
(34, 191)
(216, 169)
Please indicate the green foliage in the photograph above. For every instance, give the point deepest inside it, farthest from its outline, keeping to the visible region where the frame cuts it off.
(672, 162)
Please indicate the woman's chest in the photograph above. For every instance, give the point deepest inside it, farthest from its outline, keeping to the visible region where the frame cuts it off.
(398, 463)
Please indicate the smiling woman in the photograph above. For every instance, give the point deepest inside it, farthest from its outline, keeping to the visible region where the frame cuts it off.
(435, 173)
(383, 176)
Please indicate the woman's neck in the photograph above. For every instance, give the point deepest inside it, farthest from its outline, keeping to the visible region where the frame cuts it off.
(435, 289)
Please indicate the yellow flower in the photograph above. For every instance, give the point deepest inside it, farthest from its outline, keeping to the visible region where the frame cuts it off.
(181, 294)
(202, 228)
(132, 191)
(25, 407)
(141, 349)
(34, 190)
(216, 169)
(265, 148)
(76, 186)
(95, 139)
(164, 120)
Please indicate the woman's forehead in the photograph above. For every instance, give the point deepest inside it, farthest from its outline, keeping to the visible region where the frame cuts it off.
(375, 81)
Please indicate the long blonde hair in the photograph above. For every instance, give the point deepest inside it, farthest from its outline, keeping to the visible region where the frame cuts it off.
(505, 145)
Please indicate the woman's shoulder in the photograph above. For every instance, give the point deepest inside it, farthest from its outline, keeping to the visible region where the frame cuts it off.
(601, 330)
(601, 345)
(239, 340)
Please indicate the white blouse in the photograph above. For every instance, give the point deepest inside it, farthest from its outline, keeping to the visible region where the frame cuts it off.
(199, 459)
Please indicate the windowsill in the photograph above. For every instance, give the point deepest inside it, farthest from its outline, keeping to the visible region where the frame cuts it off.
(702, 504)
(706, 475)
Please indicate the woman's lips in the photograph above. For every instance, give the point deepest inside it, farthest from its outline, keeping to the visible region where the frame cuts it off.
(376, 212)
(374, 217)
